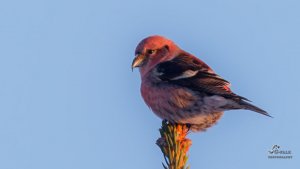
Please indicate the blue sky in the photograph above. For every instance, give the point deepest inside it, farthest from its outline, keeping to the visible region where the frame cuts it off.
(68, 98)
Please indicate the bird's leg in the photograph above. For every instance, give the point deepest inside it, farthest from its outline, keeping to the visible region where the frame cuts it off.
(188, 125)
(165, 121)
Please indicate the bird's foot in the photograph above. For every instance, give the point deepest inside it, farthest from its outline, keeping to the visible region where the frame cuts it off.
(189, 126)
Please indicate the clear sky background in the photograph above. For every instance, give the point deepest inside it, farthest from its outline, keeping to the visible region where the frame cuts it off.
(68, 98)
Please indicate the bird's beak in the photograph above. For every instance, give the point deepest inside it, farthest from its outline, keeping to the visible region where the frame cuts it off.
(138, 61)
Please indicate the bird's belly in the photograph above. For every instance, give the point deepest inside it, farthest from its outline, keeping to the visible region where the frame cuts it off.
(201, 122)
(174, 103)
(181, 105)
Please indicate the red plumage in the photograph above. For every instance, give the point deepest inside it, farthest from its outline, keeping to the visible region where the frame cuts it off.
(181, 88)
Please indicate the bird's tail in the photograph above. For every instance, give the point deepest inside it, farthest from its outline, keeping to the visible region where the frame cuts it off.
(248, 106)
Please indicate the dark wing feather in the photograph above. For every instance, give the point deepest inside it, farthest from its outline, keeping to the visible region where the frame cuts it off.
(205, 80)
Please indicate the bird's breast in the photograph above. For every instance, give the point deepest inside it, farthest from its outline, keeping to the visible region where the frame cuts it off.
(167, 100)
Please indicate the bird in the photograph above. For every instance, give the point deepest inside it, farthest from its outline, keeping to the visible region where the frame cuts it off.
(180, 88)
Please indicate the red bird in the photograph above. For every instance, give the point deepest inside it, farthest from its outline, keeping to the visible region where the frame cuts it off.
(181, 88)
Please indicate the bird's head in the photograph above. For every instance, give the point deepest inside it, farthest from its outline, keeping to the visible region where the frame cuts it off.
(153, 50)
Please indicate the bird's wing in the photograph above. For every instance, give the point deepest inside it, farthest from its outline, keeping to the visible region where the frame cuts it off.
(188, 71)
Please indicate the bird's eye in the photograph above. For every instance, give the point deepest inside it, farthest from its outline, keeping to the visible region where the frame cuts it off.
(150, 51)
(167, 47)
